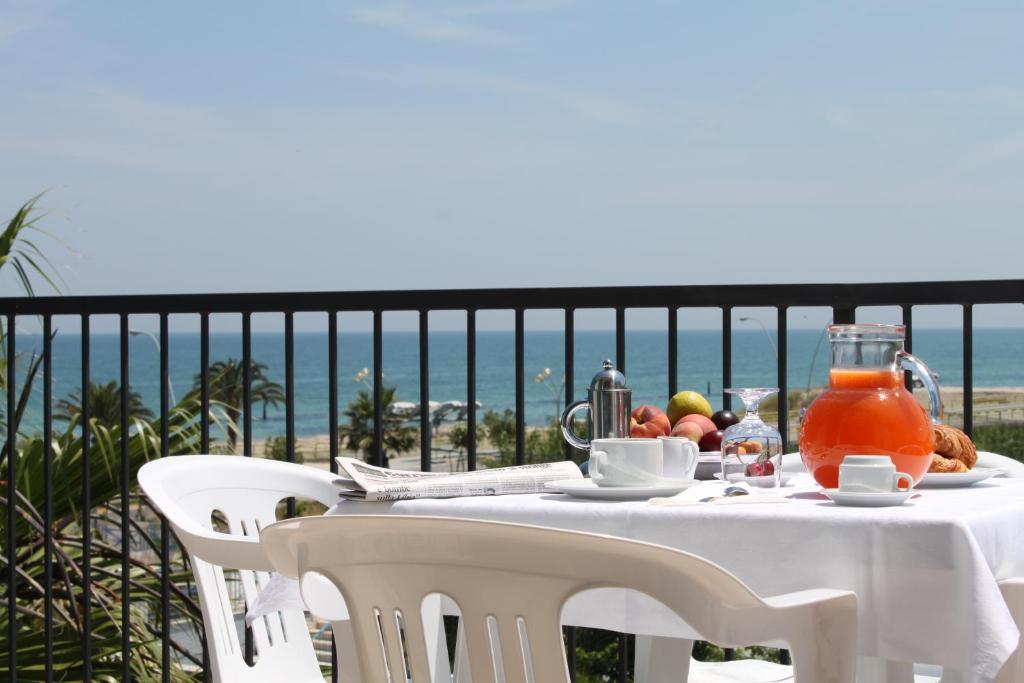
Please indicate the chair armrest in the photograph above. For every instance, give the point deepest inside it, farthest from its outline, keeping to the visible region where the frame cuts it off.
(226, 550)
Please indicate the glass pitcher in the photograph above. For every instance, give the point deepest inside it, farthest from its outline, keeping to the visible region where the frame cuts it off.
(866, 410)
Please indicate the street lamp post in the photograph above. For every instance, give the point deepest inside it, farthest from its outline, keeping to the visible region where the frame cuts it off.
(135, 333)
(771, 339)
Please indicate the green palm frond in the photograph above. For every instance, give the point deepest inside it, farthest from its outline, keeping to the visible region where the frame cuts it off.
(22, 254)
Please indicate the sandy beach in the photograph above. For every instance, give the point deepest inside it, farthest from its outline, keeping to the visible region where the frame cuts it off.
(991, 404)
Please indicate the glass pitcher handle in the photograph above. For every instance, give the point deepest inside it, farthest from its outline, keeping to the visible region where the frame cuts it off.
(918, 368)
(567, 425)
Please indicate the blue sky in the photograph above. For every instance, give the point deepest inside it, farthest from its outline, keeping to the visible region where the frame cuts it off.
(345, 145)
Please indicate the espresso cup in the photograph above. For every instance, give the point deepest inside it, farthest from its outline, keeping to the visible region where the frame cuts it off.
(871, 474)
(625, 462)
(680, 457)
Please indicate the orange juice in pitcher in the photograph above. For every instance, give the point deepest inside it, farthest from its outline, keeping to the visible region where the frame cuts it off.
(866, 410)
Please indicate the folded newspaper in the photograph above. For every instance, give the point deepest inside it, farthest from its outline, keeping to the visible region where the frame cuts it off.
(359, 481)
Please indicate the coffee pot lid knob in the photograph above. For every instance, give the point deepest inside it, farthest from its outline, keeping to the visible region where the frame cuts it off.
(608, 378)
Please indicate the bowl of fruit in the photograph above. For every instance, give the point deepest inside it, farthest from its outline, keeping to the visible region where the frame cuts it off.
(689, 415)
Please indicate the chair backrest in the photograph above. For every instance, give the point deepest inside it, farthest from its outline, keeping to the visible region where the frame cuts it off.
(1013, 468)
(511, 581)
(244, 493)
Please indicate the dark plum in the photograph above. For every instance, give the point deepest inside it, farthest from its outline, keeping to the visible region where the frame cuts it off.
(724, 419)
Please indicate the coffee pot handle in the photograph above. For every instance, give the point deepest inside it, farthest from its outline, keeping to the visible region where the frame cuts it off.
(918, 368)
(568, 417)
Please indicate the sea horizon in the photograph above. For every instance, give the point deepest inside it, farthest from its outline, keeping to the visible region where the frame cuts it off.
(996, 364)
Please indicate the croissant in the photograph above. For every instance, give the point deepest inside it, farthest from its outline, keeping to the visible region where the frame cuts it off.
(946, 465)
(953, 444)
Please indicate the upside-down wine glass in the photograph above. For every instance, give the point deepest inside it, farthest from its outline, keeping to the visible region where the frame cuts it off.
(749, 446)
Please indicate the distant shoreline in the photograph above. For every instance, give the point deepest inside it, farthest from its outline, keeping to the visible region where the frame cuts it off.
(986, 400)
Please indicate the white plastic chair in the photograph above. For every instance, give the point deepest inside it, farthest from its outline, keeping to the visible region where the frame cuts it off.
(189, 490)
(511, 581)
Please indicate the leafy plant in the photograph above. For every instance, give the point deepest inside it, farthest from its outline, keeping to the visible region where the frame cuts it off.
(276, 448)
(104, 405)
(21, 253)
(358, 436)
(1003, 438)
(68, 560)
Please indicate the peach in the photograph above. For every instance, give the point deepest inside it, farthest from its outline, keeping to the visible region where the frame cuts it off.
(649, 422)
(690, 430)
(705, 423)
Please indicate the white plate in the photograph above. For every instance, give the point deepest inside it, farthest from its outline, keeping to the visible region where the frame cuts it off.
(868, 500)
(784, 478)
(707, 464)
(951, 480)
(586, 488)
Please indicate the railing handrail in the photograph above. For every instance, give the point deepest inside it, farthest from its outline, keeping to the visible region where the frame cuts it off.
(838, 295)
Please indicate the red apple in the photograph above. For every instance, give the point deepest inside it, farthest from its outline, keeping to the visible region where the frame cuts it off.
(705, 424)
(712, 441)
(690, 430)
(649, 422)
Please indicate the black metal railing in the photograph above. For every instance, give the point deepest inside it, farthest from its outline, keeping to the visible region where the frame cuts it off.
(842, 299)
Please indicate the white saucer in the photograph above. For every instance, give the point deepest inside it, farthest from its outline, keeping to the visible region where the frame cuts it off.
(868, 500)
(953, 480)
(784, 478)
(586, 488)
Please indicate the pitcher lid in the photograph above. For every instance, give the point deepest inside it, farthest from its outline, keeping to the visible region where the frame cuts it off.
(866, 332)
(608, 378)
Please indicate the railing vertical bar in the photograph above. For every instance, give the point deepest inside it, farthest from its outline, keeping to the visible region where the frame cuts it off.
(569, 377)
(570, 651)
(673, 351)
(289, 395)
(249, 651)
(165, 533)
(623, 658)
(620, 339)
(247, 384)
(782, 346)
(968, 331)
(520, 389)
(48, 496)
(204, 387)
(332, 386)
(125, 509)
(332, 418)
(726, 356)
(844, 315)
(471, 390)
(12, 518)
(378, 397)
(86, 508)
(424, 339)
(204, 438)
(908, 342)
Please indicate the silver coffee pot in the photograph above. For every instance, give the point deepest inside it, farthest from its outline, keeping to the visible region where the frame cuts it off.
(609, 404)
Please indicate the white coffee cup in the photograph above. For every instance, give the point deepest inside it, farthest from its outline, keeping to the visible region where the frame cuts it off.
(871, 474)
(625, 462)
(679, 457)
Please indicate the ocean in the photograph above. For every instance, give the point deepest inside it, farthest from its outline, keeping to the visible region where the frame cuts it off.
(997, 362)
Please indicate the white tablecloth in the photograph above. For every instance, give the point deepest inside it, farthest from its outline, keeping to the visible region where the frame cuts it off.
(925, 573)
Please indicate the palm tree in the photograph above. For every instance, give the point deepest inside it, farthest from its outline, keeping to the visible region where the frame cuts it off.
(226, 383)
(104, 405)
(357, 435)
